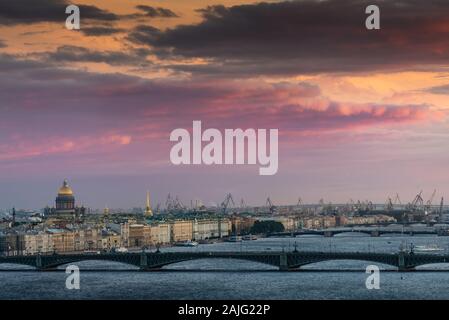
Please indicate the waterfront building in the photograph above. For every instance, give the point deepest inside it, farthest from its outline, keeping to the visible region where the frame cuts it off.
(181, 230)
(241, 225)
(12, 244)
(372, 219)
(63, 241)
(110, 240)
(87, 239)
(210, 228)
(136, 235)
(159, 234)
(38, 243)
(56, 240)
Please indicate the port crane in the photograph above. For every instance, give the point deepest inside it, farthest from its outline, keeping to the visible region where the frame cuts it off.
(242, 204)
(226, 203)
(173, 204)
(417, 202)
(178, 205)
(389, 204)
(428, 205)
(397, 200)
(169, 203)
(270, 206)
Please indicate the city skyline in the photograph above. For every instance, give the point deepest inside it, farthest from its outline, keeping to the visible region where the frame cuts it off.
(151, 203)
(361, 114)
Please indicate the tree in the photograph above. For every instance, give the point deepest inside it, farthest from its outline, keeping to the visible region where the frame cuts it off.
(267, 227)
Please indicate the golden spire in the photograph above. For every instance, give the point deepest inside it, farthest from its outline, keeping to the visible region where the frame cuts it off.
(148, 211)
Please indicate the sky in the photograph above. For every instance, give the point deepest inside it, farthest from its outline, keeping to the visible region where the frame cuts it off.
(361, 114)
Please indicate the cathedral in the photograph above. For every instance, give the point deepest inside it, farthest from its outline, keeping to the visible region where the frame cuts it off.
(65, 209)
(65, 201)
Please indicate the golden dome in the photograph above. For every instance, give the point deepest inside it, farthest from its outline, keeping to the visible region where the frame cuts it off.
(65, 190)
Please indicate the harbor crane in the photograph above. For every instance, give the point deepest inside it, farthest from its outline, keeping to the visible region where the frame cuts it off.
(178, 205)
(173, 204)
(428, 205)
(350, 206)
(397, 200)
(369, 206)
(389, 204)
(417, 202)
(226, 203)
(270, 206)
(169, 203)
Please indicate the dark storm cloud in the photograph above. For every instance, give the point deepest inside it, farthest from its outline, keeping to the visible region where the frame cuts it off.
(32, 11)
(158, 12)
(145, 34)
(80, 54)
(12, 63)
(439, 90)
(307, 37)
(100, 31)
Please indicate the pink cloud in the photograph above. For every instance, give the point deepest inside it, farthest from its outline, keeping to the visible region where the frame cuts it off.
(77, 119)
(21, 148)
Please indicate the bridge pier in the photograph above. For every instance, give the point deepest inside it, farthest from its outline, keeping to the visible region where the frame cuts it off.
(328, 234)
(401, 261)
(402, 265)
(143, 261)
(39, 261)
(283, 263)
(407, 269)
(375, 233)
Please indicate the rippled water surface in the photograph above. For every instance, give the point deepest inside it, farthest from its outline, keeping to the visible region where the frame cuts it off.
(235, 279)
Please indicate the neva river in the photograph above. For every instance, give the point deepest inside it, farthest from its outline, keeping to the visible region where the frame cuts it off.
(234, 279)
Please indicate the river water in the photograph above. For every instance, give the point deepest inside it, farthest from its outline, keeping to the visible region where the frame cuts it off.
(234, 279)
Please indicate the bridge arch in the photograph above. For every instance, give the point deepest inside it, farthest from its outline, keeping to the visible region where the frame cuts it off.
(297, 261)
(163, 260)
(425, 266)
(54, 261)
(98, 264)
(16, 266)
(22, 261)
(220, 264)
(343, 264)
(358, 233)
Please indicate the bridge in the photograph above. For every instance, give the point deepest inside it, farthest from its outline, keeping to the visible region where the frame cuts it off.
(376, 232)
(285, 261)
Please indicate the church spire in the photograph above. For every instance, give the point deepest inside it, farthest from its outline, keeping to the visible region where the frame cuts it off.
(148, 211)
